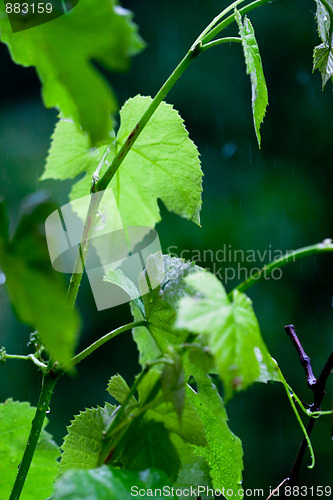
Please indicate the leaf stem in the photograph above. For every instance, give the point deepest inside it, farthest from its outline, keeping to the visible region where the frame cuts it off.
(81, 257)
(216, 20)
(29, 357)
(89, 350)
(291, 256)
(164, 90)
(226, 22)
(49, 381)
(219, 41)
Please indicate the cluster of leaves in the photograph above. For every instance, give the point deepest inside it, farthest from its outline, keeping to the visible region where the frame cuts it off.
(171, 426)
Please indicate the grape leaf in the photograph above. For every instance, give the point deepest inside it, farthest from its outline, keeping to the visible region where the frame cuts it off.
(37, 292)
(255, 70)
(194, 470)
(107, 483)
(188, 427)
(16, 418)
(163, 163)
(147, 444)
(63, 52)
(224, 451)
(83, 443)
(231, 330)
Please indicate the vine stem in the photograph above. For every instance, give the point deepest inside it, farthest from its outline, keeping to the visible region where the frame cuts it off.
(101, 341)
(292, 256)
(99, 186)
(49, 381)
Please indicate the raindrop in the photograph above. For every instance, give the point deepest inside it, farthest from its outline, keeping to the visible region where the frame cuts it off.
(228, 150)
(48, 410)
(2, 278)
(303, 77)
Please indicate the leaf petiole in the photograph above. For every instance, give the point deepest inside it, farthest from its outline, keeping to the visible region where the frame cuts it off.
(292, 256)
(101, 341)
(219, 41)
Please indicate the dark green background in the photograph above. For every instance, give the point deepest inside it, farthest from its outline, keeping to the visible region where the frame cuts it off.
(278, 198)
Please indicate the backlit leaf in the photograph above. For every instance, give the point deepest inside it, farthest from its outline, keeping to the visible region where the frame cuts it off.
(64, 50)
(107, 483)
(163, 163)
(15, 426)
(231, 330)
(224, 452)
(255, 70)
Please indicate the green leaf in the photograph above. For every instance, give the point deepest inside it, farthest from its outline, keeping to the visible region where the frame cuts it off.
(173, 382)
(224, 451)
(37, 292)
(70, 153)
(188, 426)
(107, 483)
(163, 163)
(83, 444)
(118, 388)
(160, 306)
(148, 445)
(63, 52)
(323, 60)
(16, 421)
(324, 21)
(231, 330)
(194, 470)
(255, 70)
(117, 277)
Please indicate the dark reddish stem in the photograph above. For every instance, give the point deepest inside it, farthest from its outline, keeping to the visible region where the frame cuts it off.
(318, 388)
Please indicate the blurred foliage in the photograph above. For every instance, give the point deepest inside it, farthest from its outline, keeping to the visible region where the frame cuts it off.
(278, 198)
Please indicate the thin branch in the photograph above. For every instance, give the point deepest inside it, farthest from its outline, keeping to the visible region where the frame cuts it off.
(226, 22)
(291, 256)
(303, 357)
(49, 381)
(89, 350)
(219, 41)
(318, 388)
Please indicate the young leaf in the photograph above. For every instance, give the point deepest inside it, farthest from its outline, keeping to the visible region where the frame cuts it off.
(224, 452)
(323, 60)
(83, 443)
(117, 277)
(63, 52)
(160, 307)
(16, 421)
(118, 388)
(323, 53)
(164, 163)
(108, 483)
(255, 70)
(37, 292)
(231, 331)
(324, 20)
